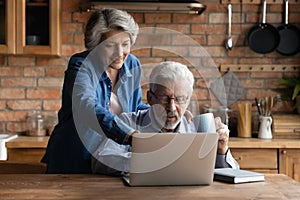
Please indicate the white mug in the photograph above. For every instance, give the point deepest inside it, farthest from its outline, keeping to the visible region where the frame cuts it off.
(205, 123)
(265, 131)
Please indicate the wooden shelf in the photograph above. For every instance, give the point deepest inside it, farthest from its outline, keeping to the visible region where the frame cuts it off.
(260, 68)
(38, 4)
(258, 1)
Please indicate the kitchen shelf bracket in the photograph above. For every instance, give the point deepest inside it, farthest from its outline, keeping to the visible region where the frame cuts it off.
(258, 1)
(260, 68)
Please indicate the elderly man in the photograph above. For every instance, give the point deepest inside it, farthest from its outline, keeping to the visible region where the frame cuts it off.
(171, 87)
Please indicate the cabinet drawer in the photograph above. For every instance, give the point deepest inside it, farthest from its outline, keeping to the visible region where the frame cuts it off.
(256, 158)
(25, 154)
(286, 126)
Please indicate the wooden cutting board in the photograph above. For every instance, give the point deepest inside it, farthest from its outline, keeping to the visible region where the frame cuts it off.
(286, 126)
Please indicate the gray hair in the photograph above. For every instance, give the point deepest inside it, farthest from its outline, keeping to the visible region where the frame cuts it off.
(172, 71)
(105, 20)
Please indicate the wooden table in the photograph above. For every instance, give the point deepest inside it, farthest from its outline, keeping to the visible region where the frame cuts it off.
(46, 186)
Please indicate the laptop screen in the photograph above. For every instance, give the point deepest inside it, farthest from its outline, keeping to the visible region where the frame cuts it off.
(173, 158)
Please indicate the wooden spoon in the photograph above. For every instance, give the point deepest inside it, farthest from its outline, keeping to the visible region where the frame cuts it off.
(270, 105)
(262, 105)
(266, 106)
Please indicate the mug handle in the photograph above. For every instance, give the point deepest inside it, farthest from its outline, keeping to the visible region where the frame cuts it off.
(269, 123)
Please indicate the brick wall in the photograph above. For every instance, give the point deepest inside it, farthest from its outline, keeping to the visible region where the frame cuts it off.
(34, 82)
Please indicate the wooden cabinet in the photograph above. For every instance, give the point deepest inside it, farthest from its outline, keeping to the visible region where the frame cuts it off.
(7, 26)
(26, 149)
(289, 160)
(268, 156)
(24, 155)
(31, 27)
(260, 160)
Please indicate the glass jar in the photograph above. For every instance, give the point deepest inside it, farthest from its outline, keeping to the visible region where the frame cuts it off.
(50, 122)
(35, 124)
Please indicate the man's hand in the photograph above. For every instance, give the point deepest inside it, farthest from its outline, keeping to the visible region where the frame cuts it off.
(128, 138)
(189, 116)
(223, 132)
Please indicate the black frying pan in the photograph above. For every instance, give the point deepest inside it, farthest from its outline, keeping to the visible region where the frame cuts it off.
(263, 37)
(289, 36)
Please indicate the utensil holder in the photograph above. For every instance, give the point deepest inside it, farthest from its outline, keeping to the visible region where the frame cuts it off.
(244, 120)
(265, 131)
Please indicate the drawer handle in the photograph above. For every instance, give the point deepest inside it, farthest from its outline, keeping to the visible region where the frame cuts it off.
(297, 130)
(283, 152)
(238, 158)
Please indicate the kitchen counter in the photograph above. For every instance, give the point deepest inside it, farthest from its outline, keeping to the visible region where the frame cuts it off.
(234, 142)
(266, 156)
(87, 186)
(28, 142)
(26, 149)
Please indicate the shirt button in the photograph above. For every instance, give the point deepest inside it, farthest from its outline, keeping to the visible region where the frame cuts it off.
(108, 86)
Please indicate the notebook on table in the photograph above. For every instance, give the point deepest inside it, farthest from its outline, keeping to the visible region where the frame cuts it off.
(172, 159)
(230, 175)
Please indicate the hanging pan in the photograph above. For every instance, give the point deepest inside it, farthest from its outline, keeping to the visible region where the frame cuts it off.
(263, 37)
(289, 36)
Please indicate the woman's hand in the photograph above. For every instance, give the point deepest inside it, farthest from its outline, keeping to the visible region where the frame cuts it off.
(223, 132)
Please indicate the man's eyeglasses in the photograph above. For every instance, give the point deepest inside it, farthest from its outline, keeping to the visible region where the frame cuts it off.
(164, 99)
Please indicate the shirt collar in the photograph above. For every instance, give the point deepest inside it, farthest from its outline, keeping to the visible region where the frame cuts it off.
(124, 73)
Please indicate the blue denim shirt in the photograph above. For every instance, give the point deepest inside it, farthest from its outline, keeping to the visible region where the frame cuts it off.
(84, 116)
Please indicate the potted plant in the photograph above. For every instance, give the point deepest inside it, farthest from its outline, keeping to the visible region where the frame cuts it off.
(290, 90)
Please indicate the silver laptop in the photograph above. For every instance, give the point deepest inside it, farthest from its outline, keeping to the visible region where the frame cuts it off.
(172, 159)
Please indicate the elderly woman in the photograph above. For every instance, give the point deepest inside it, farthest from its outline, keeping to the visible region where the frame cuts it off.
(99, 84)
